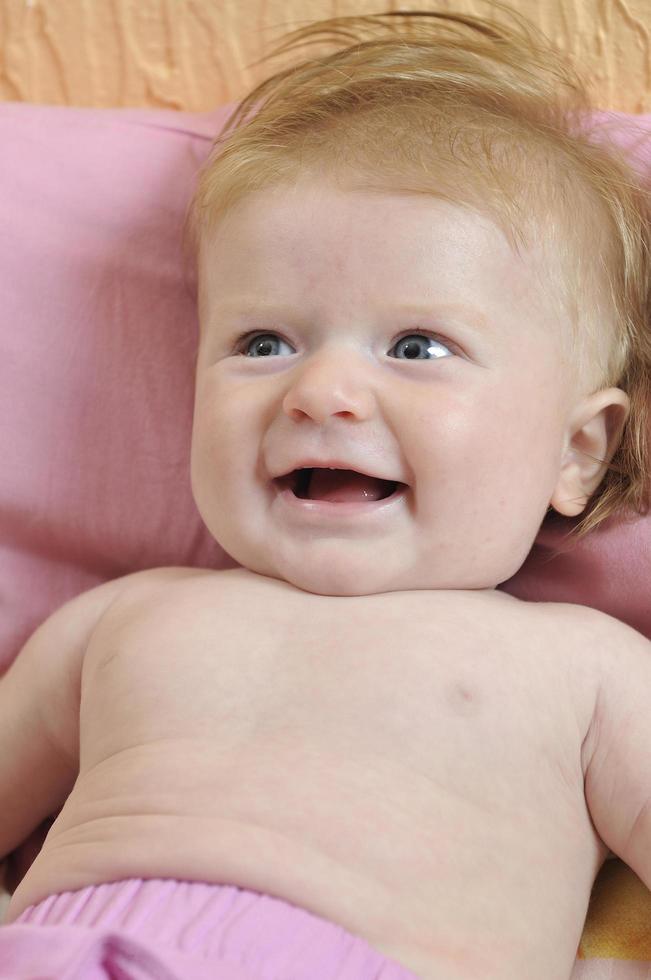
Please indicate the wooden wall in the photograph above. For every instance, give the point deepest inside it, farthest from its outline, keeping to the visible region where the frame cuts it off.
(196, 54)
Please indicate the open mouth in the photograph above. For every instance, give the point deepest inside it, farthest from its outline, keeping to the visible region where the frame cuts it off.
(337, 486)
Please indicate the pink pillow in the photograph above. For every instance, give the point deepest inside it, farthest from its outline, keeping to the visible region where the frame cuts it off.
(97, 343)
(98, 339)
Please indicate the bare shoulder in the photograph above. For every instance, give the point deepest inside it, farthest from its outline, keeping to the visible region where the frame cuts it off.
(595, 646)
(623, 654)
(160, 586)
(73, 624)
(53, 655)
(586, 629)
(605, 635)
(162, 599)
(600, 646)
(607, 656)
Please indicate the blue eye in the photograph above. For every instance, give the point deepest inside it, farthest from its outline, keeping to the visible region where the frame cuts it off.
(262, 345)
(414, 346)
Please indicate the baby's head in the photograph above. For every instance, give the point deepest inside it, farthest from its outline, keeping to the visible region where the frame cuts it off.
(440, 282)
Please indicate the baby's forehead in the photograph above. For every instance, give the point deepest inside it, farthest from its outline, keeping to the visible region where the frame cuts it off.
(376, 241)
(357, 225)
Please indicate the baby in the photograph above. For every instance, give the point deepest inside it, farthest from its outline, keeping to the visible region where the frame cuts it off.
(353, 757)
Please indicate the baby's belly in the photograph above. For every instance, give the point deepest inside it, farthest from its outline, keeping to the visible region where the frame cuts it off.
(450, 886)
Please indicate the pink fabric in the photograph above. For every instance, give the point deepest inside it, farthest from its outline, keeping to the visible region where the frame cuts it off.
(609, 570)
(169, 930)
(97, 340)
(166, 930)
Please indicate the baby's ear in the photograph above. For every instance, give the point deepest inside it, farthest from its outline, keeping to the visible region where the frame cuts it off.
(592, 437)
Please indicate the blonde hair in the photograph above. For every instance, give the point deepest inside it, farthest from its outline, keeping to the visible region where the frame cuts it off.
(408, 101)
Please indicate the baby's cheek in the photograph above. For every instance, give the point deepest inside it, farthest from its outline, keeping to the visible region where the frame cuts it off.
(205, 462)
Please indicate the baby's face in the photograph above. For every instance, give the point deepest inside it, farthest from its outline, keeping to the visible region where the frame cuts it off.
(398, 336)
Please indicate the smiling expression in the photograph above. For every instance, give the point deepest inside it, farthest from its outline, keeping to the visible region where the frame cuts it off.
(400, 336)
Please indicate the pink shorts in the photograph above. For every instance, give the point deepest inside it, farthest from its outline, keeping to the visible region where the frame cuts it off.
(176, 930)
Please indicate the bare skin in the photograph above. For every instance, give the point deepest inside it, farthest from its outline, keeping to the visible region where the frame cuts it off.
(409, 765)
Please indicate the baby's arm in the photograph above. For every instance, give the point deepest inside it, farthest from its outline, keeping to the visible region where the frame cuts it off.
(39, 710)
(617, 749)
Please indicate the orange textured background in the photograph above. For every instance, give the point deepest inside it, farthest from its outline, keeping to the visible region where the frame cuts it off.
(196, 54)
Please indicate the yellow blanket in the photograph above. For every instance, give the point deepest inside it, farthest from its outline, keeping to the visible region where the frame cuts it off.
(618, 925)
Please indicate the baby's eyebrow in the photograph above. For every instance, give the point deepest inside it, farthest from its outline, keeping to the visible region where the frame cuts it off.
(467, 315)
(246, 307)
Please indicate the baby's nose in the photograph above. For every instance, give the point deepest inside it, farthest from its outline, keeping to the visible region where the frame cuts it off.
(330, 384)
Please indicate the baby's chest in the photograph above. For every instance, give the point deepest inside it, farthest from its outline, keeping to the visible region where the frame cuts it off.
(402, 686)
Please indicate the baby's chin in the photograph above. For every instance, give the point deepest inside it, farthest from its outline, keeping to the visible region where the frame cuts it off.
(326, 582)
(331, 565)
(358, 581)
